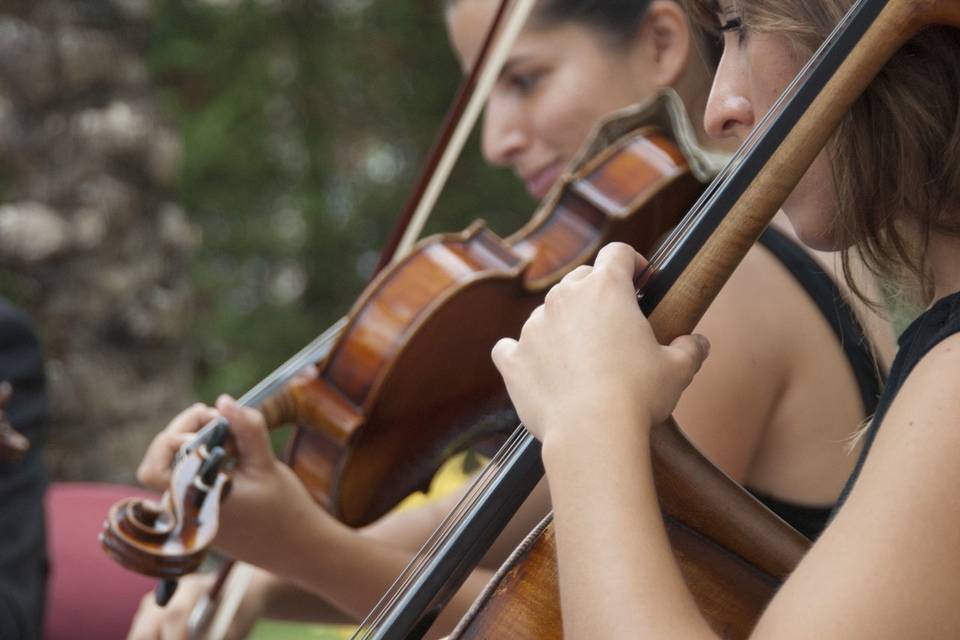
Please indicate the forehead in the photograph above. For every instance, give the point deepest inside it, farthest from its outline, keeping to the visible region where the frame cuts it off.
(467, 22)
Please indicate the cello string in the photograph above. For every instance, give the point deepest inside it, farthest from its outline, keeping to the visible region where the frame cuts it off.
(410, 573)
(415, 568)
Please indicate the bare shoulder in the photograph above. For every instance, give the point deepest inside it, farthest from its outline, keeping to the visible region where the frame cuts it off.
(887, 566)
(759, 301)
(727, 408)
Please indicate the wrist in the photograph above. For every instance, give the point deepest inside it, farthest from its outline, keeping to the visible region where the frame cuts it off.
(260, 593)
(606, 436)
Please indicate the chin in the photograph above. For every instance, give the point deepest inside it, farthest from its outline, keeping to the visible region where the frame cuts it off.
(812, 230)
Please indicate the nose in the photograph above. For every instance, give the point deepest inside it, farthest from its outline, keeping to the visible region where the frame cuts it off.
(505, 135)
(729, 111)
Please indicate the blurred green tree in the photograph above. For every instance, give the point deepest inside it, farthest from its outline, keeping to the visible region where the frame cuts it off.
(304, 124)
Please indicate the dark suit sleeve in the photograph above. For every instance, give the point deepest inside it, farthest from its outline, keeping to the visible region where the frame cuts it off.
(23, 559)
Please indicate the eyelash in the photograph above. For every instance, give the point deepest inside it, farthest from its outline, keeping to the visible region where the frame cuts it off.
(525, 82)
(734, 25)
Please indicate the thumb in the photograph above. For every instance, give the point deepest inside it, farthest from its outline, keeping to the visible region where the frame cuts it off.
(249, 431)
(689, 354)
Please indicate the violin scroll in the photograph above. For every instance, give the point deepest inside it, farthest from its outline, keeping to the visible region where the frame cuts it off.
(169, 538)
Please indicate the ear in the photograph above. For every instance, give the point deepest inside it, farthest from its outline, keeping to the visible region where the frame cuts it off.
(667, 33)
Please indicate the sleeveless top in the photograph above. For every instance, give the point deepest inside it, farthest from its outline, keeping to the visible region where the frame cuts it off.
(823, 291)
(934, 325)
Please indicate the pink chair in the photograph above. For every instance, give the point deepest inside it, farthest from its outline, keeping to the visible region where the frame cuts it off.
(89, 596)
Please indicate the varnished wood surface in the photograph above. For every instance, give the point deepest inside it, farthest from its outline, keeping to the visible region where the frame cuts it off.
(412, 374)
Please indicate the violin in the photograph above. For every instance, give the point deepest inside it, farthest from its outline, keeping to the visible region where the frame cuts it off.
(732, 552)
(406, 379)
(13, 444)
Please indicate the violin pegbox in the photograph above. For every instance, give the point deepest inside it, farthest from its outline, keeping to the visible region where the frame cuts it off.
(169, 539)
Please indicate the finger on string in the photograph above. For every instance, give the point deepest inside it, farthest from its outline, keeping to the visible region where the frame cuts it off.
(249, 430)
(309, 372)
(639, 269)
(155, 469)
(617, 258)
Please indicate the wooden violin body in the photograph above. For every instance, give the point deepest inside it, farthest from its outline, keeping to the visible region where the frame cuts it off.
(412, 382)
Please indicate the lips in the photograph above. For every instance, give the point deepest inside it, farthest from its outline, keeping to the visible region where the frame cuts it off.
(539, 182)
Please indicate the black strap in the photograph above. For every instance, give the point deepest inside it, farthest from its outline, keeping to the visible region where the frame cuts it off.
(824, 293)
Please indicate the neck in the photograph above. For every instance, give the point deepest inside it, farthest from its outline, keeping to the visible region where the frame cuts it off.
(944, 254)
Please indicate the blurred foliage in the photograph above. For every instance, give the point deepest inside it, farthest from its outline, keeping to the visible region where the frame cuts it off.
(304, 124)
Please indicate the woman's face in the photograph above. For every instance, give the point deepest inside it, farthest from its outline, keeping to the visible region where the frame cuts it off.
(557, 83)
(753, 72)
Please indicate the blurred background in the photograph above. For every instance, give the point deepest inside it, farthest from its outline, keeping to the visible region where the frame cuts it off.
(193, 189)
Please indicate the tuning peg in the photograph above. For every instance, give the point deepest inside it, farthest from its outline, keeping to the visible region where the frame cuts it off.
(164, 591)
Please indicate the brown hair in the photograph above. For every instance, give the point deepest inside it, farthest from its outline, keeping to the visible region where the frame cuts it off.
(896, 156)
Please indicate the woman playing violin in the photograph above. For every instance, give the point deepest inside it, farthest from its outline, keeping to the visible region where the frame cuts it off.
(748, 409)
(887, 187)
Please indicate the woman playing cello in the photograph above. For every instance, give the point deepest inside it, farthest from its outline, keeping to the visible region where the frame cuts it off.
(575, 62)
(887, 187)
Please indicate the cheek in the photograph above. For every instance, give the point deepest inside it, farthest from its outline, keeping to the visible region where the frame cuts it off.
(580, 96)
(566, 117)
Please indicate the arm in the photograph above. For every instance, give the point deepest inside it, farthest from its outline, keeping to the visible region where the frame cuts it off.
(352, 568)
(886, 568)
(590, 385)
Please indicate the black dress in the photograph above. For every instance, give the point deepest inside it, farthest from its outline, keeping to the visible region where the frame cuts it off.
(935, 325)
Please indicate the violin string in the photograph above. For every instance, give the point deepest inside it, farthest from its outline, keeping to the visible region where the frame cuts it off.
(415, 568)
(315, 351)
(417, 565)
(310, 354)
